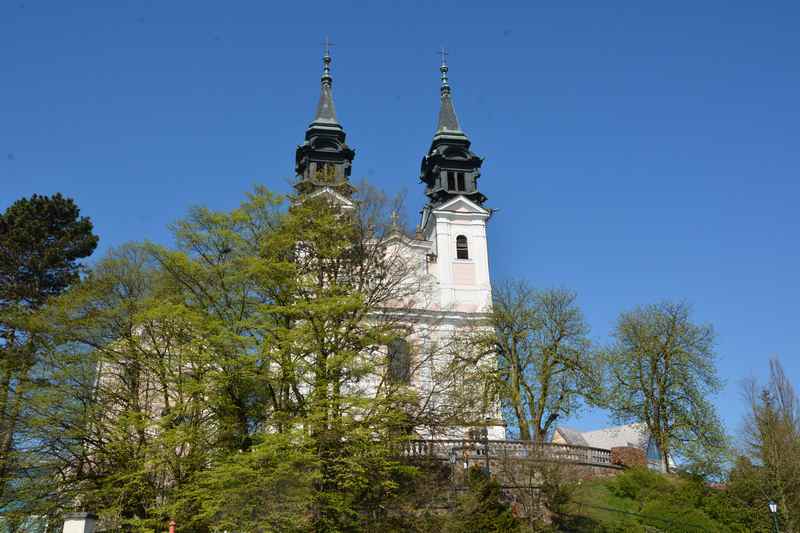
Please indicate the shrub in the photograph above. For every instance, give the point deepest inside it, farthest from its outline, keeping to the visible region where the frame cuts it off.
(639, 484)
(482, 509)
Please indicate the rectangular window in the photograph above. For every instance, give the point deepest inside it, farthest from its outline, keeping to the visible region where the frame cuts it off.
(399, 361)
(461, 181)
(462, 250)
(451, 180)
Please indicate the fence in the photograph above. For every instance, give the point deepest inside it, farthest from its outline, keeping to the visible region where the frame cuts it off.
(511, 449)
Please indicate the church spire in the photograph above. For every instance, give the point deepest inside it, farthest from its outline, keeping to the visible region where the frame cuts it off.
(450, 169)
(448, 121)
(326, 112)
(324, 160)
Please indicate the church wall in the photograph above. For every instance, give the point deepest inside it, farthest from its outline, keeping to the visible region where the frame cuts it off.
(464, 284)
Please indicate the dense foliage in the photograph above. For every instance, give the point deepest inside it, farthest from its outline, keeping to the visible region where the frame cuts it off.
(244, 365)
(482, 509)
(42, 240)
(640, 500)
(661, 372)
(769, 470)
(252, 378)
(545, 361)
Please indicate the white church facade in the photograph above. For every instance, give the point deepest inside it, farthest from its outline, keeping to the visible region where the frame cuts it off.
(450, 243)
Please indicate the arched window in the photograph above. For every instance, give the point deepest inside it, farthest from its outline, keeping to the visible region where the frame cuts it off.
(462, 251)
(399, 361)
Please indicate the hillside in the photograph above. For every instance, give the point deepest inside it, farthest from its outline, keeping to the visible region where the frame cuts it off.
(642, 500)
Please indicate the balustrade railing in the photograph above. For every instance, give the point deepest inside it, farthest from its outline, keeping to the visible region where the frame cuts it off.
(511, 449)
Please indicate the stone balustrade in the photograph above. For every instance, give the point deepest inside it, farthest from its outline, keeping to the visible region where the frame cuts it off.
(455, 449)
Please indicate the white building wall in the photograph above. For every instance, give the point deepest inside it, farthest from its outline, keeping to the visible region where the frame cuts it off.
(462, 291)
(463, 284)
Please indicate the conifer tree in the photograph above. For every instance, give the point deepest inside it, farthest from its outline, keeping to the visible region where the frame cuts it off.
(42, 240)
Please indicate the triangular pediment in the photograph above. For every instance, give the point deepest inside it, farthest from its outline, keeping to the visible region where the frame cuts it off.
(334, 197)
(416, 242)
(462, 204)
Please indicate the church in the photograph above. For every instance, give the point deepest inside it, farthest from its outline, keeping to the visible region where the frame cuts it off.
(451, 239)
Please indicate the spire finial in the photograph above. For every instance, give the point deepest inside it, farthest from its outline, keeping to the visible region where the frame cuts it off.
(327, 80)
(447, 115)
(443, 69)
(325, 110)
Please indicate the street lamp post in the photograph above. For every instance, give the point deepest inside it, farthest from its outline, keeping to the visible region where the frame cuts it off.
(485, 438)
(773, 510)
(452, 457)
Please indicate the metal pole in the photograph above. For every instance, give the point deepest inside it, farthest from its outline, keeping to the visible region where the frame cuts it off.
(453, 457)
(486, 448)
(773, 510)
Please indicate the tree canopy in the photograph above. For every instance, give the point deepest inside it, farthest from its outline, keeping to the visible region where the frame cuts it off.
(266, 371)
(661, 372)
(250, 357)
(545, 365)
(42, 240)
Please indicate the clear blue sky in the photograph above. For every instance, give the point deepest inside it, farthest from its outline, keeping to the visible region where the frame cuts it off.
(635, 152)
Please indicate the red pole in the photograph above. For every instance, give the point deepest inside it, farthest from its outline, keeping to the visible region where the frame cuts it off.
(172, 525)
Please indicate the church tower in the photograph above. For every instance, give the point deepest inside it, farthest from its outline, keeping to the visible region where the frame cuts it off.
(450, 169)
(323, 161)
(454, 219)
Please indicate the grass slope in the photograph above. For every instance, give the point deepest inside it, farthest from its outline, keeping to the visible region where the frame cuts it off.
(640, 500)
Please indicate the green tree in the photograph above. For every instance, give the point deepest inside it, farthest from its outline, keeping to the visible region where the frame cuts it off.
(482, 508)
(661, 372)
(743, 502)
(772, 447)
(266, 489)
(121, 418)
(42, 240)
(545, 364)
(646, 500)
(340, 286)
(263, 330)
